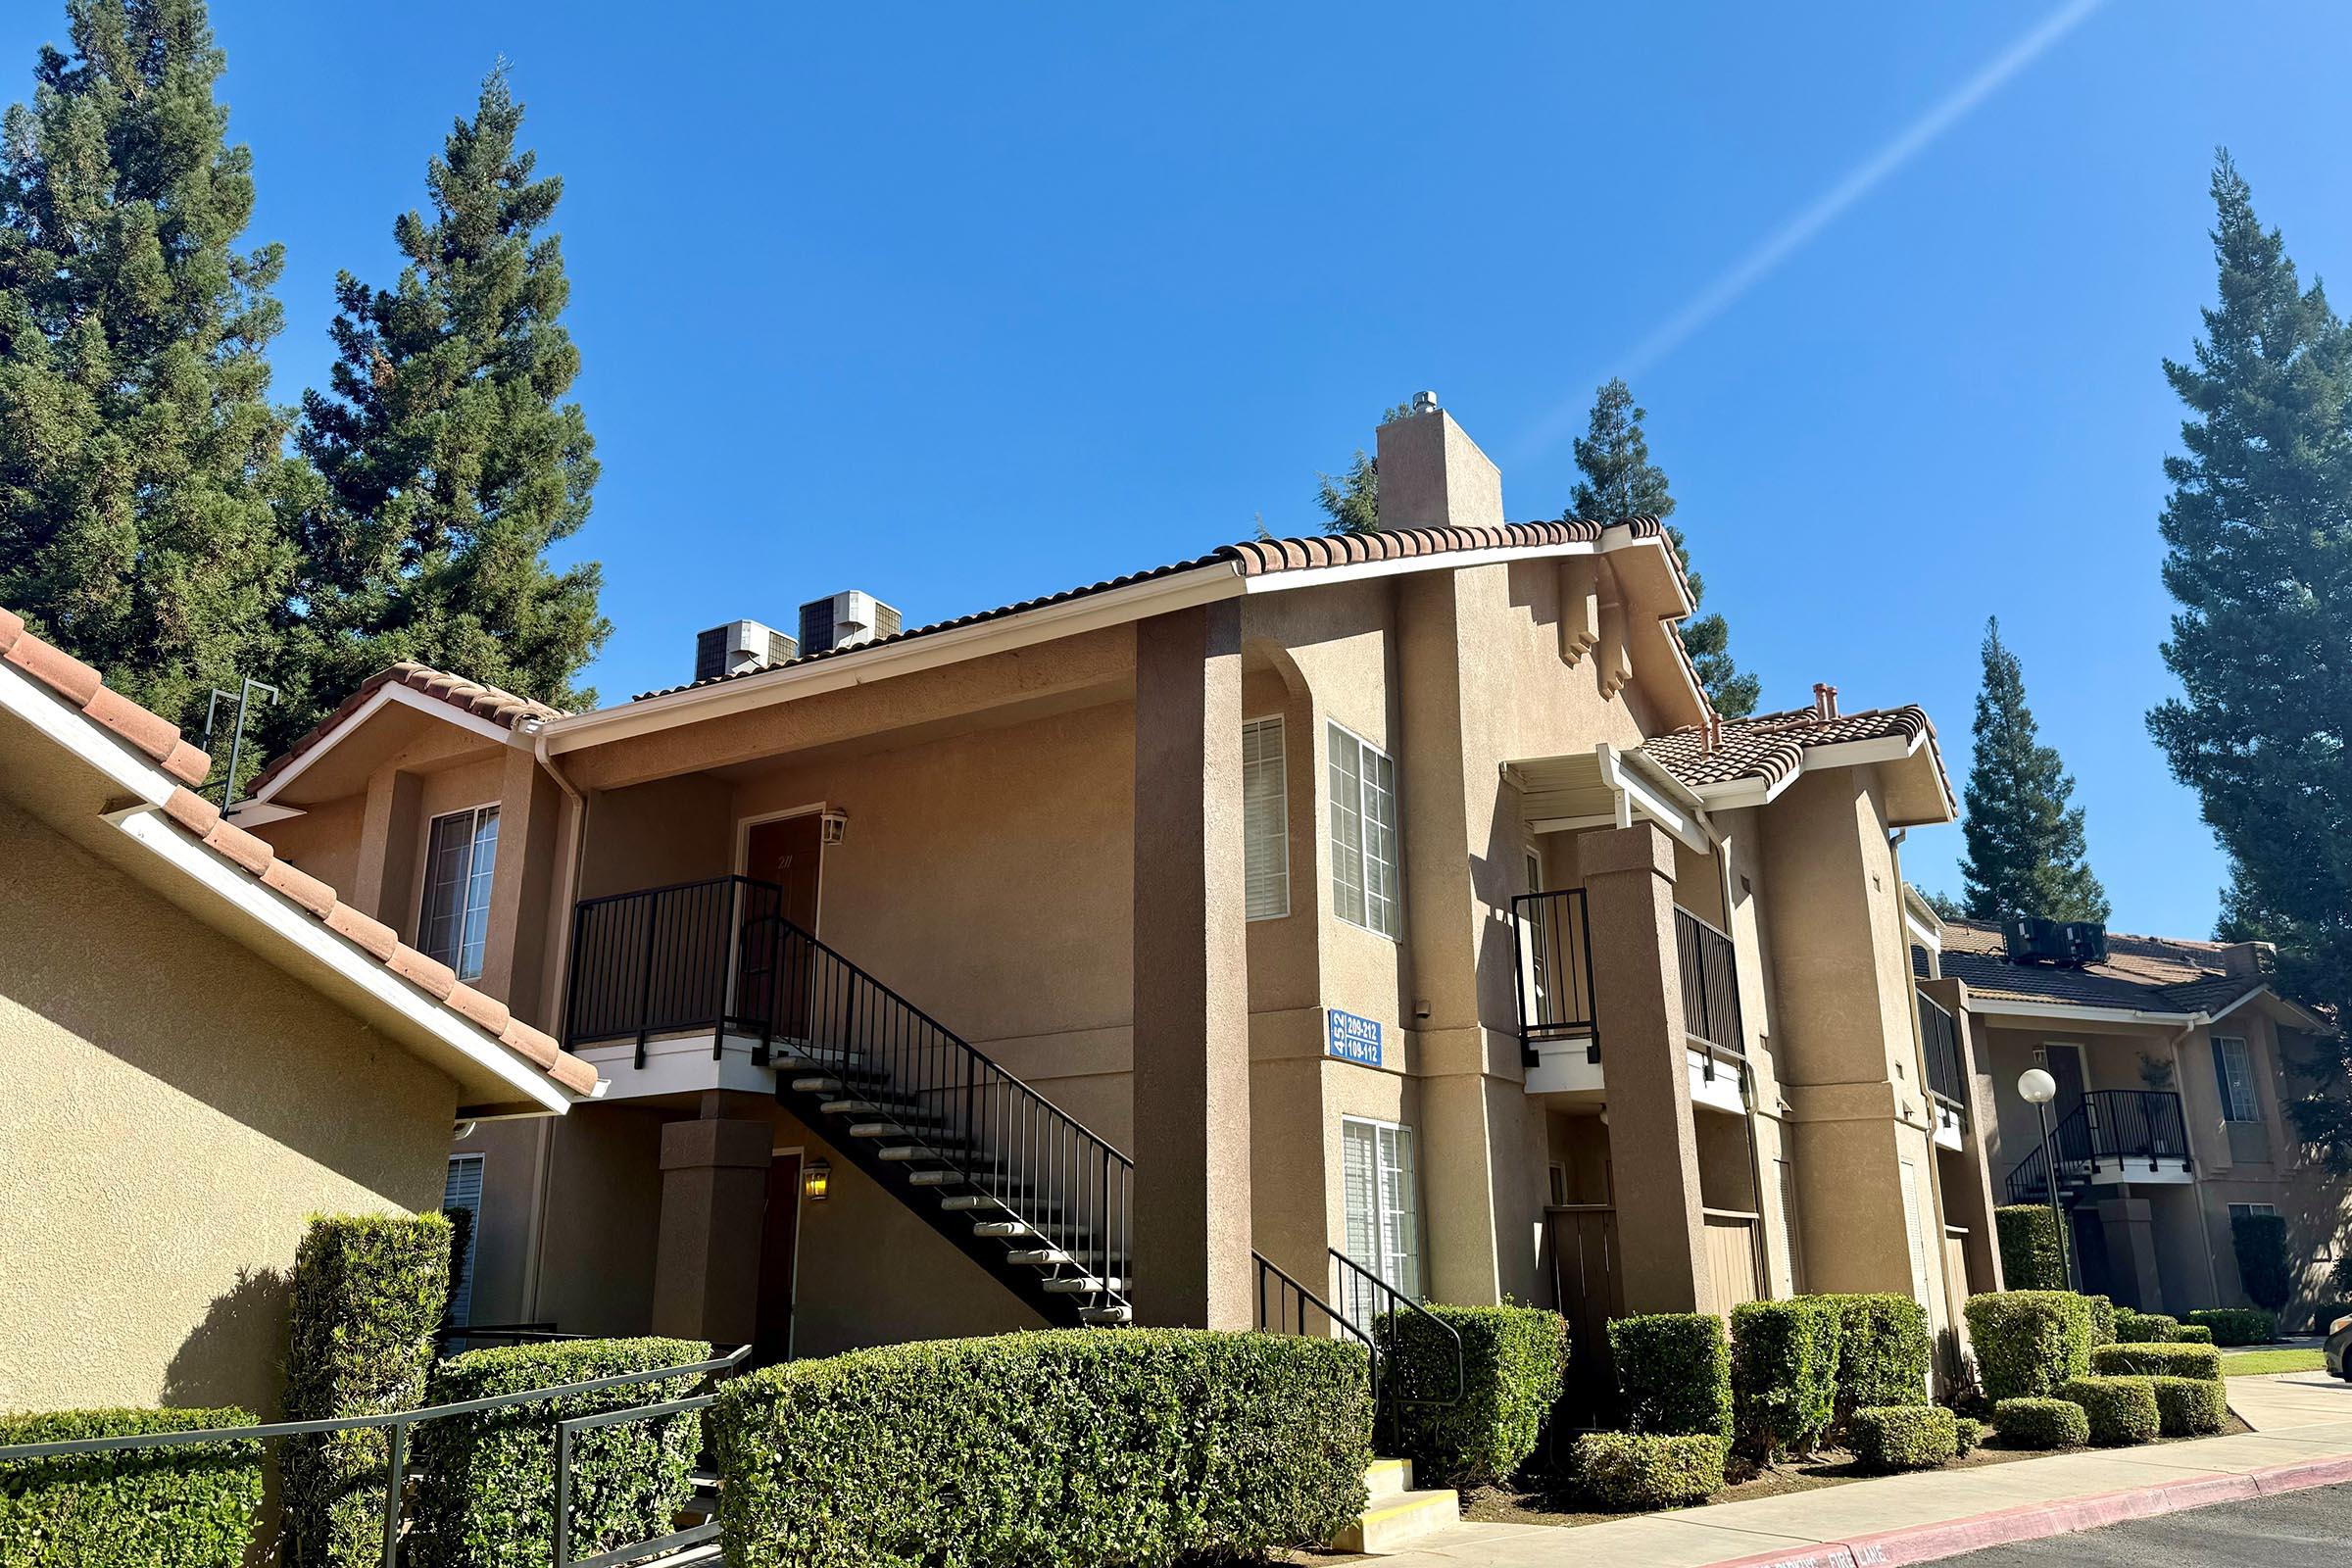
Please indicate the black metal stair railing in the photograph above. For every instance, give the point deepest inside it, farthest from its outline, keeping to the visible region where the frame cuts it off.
(1042, 1168)
(2110, 1130)
(668, 961)
(1385, 1310)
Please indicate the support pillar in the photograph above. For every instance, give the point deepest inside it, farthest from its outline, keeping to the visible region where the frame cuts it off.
(1192, 978)
(714, 1208)
(1638, 1006)
(2130, 1227)
(1969, 1201)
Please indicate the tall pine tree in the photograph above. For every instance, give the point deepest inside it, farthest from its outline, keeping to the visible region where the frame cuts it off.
(451, 461)
(140, 459)
(2025, 842)
(1621, 483)
(2258, 525)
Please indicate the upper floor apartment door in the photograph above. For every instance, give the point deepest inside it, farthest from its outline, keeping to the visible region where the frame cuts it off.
(787, 853)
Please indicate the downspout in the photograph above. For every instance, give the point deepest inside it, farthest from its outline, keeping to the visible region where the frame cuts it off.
(534, 1248)
(2213, 1273)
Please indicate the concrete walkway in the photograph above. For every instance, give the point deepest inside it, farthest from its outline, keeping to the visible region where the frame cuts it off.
(2299, 1419)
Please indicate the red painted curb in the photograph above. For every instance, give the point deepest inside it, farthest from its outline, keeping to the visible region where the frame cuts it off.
(1915, 1544)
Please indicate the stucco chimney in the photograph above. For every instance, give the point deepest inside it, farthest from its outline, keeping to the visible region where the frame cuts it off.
(2250, 961)
(1825, 700)
(1432, 475)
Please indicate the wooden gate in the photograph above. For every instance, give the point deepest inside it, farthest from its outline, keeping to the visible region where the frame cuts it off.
(1586, 1283)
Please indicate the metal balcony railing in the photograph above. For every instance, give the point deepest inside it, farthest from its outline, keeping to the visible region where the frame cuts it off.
(1554, 947)
(1710, 983)
(2112, 1130)
(1939, 1041)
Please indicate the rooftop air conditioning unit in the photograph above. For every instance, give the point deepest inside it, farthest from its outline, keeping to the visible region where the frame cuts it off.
(2071, 944)
(2085, 941)
(844, 620)
(738, 646)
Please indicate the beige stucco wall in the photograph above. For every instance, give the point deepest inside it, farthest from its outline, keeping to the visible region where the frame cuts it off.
(172, 1108)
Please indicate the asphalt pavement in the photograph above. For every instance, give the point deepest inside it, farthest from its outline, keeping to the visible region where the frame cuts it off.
(2295, 1530)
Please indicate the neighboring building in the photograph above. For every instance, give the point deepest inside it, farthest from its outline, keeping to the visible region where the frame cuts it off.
(199, 1047)
(2174, 1062)
(1393, 896)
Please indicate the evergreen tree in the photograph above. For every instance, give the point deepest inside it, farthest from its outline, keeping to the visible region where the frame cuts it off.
(140, 459)
(1619, 484)
(2259, 530)
(2025, 843)
(1351, 501)
(449, 460)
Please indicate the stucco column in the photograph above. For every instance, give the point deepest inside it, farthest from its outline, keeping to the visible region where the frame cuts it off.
(713, 1206)
(524, 919)
(388, 849)
(1968, 1200)
(1192, 974)
(2131, 1253)
(1638, 1008)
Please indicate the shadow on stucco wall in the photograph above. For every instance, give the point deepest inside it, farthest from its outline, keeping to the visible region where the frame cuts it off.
(237, 1354)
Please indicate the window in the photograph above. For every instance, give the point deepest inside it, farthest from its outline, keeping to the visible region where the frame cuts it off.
(1363, 835)
(1559, 1185)
(460, 858)
(463, 1190)
(1384, 1234)
(2245, 1210)
(1265, 820)
(2234, 1067)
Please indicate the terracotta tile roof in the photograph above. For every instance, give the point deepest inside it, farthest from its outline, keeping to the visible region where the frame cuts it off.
(201, 820)
(502, 708)
(1255, 557)
(1771, 746)
(2151, 974)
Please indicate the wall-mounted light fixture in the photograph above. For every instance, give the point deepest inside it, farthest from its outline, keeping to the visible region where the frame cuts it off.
(816, 1180)
(833, 825)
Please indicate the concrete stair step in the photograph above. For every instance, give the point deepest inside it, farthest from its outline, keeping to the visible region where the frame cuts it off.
(1105, 1316)
(1389, 1478)
(1082, 1284)
(1393, 1522)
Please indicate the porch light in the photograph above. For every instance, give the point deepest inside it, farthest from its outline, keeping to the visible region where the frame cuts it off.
(2036, 1087)
(833, 825)
(816, 1180)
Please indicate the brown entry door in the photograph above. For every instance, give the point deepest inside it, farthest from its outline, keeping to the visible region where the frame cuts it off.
(1585, 1284)
(785, 855)
(779, 1252)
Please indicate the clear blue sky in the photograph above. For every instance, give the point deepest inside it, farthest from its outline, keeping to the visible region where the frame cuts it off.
(965, 304)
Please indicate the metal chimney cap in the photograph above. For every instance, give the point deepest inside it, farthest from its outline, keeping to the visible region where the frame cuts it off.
(1425, 402)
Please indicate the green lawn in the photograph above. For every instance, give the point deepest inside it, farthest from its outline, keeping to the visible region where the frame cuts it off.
(2254, 1363)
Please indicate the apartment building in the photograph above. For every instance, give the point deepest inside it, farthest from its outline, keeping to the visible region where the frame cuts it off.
(2175, 1060)
(1386, 912)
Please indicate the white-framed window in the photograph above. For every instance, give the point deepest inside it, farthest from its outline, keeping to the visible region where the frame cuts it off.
(462, 1189)
(2243, 1210)
(1558, 1174)
(2233, 1070)
(1265, 819)
(461, 858)
(1364, 851)
(1379, 1185)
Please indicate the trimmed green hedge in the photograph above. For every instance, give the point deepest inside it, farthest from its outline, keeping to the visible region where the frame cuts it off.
(1514, 1361)
(368, 1294)
(2121, 1411)
(2190, 1407)
(2144, 1328)
(486, 1482)
(1633, 1471)
(1904, 1437)
(2158, 1360)
(1967, 1434)
(2260, 1242)
(2029, 1342)
(1883, 1351)
(2192, 1334)
(181, 1507)
(2237, 1325)
(1784, 1375)
(1676, 1371)
(2102, 1320)
(1055, 1448)
(2031, 1256)
(2038, 1423)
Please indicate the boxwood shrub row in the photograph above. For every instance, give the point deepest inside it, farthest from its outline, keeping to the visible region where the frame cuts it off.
(1675, 1370)
(1785, 1359)
(2158, 1360)
(2032, 1421)
(2031, 1258)
(1046, 1449)
(1627, 1471)
(2237, 1325)
(1514, 1360)
(1906, 1437)
(2121, 1411)
(188, 1507)
(2029, 1342)
(2190, 1407)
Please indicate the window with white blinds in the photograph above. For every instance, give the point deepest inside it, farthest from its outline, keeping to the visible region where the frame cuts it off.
(1379, 1188)
(463, 1190)
(2233, 1069)
(460, 861)
(1365, 850)
(1265, 820)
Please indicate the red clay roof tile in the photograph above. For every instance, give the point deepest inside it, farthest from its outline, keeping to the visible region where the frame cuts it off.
(200, 818)
(500, 708)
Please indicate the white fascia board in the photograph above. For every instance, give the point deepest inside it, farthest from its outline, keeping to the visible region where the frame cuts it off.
(1112, 607)
(1926, 936)
(1686, 825)
(1855, 754)
(251, 814)
(1276, 582)
(282, 918)
(1733, 792)
(1996, 1006)
(2305, 1022)
(115, 760)
(389, 693)
(1621, 536)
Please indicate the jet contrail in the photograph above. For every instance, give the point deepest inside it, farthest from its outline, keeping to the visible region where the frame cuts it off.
(1725, 291)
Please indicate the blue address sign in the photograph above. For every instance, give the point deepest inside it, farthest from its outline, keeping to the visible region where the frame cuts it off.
(1354, 1039)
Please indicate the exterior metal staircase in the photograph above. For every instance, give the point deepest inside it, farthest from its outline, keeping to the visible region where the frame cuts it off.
(1015, 1183)
(2109, 1132)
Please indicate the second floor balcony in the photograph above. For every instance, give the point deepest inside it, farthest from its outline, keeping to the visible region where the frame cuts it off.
(1559, 1032)
(2106, 1136)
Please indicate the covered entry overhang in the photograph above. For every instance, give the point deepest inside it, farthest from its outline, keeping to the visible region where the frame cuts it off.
(1606, 787)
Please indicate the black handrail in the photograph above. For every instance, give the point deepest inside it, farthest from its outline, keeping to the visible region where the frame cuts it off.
(1358, 1285)
(1940, 1043)
(668, 961)
(1710, 975)
(2110, 1129)
(1284, 1307)
(1554, 943)
(1045, 1169)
